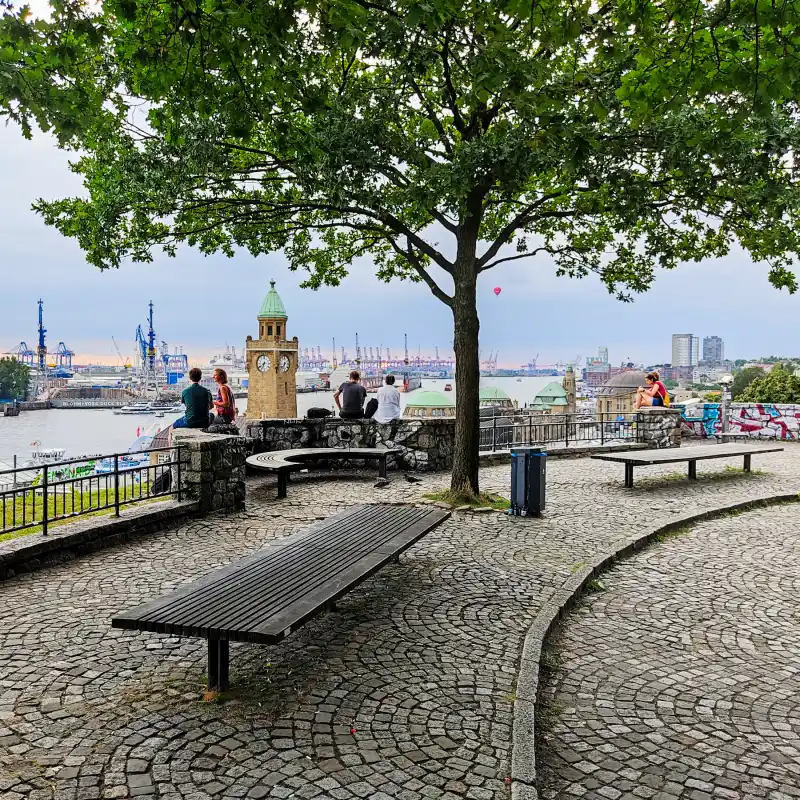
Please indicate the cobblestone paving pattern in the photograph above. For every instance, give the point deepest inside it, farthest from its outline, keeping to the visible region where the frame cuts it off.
(682, 678)
(405, 692)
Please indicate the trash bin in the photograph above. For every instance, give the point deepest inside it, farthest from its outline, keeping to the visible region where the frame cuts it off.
(528, 480)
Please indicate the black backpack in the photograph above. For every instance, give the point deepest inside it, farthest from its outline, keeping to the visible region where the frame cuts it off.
(372, 407)
(318, 413)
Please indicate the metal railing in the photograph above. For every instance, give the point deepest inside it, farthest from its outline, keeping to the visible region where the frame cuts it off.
(39, 495)
(504, 432)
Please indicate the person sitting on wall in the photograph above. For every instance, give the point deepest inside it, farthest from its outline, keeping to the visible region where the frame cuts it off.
(388, 402)
(198, 402)
(354, 395)
(654, 394)
(225, 404)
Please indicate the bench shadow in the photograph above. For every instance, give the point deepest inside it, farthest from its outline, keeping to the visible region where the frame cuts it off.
(677, 479)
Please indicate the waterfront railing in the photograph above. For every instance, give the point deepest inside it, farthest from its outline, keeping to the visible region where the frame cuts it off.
(33, 497)
(515, 429)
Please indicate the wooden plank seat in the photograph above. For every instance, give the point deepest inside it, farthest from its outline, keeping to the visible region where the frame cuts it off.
(266, 596)
(691, 455)
(284, 462)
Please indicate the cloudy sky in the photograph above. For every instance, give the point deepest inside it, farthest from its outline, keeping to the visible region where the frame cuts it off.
(205, 303)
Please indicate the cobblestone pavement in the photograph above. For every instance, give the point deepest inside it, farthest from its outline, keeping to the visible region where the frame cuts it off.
(405, 692)
(682, 678)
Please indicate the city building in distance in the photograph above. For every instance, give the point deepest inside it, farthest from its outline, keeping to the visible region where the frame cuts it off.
(713, 350)
(685, 350)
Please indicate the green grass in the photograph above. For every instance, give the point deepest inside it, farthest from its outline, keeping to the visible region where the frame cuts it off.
(64, 504)
(460, 499)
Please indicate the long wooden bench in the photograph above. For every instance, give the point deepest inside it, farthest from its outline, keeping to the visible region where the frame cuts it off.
(268, 595)
(692, 455)
(284, 462)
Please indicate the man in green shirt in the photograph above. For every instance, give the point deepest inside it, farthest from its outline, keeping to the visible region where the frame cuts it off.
(198, 402)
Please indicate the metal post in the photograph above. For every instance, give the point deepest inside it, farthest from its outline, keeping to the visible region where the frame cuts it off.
(602, 430)
(566, 430)
(15, 473)
(723, 410)
(494, 432)
(116, 486)
(44, 500)
(178, 471)
(530, 429)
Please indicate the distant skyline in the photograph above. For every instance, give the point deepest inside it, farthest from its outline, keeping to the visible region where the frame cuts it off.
(203, 303)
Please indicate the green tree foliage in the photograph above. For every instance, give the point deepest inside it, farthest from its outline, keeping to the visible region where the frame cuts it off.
(779, 385)
(13, 379)
(742, 379)
(441, 138)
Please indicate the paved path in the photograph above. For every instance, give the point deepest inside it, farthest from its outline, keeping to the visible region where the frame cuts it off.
(406, 692)
(682, 678)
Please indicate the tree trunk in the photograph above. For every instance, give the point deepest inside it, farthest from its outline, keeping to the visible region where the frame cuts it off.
(465, 344)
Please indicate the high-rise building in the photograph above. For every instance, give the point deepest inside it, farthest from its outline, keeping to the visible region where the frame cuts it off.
(685, 350)
(602, 354)
(713, 350)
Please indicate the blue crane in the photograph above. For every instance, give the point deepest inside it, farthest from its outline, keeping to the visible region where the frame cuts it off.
(41, 350)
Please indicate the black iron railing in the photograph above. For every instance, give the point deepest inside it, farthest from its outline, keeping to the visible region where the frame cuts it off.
(516, 429)
(39, 495)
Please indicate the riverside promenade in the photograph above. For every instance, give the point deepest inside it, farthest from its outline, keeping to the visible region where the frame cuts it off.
(421, 684)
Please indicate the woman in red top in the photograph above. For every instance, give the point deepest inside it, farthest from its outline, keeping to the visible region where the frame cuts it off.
(654, 394)
(224, 404)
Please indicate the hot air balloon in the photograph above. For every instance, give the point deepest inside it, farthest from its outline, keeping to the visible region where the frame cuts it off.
(497, 290)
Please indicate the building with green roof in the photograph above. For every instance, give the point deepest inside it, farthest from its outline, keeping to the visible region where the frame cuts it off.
(429, 404)
(553, 398)
(492, 396)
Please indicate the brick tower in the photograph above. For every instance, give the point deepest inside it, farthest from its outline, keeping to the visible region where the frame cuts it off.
(272, 364)
(569, 388)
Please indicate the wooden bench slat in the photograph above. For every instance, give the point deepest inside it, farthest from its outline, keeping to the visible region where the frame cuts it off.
(266, 568)
(678, 454)
(268, 593)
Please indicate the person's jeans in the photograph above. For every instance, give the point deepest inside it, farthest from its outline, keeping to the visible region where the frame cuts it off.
(348, 414)
(181, 423)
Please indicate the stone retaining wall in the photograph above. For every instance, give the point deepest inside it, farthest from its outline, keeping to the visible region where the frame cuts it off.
(213, 475)
(659, 427)
(425, 445)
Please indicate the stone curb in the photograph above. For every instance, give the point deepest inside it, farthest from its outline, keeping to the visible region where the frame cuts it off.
(523, 752)
(65, 542)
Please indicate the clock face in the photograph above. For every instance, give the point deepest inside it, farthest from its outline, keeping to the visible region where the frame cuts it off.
(284, 364)
(263, 363)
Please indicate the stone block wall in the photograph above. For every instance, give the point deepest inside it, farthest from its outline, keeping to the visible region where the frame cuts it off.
(213, 475)
(659, 427)
(425, 445)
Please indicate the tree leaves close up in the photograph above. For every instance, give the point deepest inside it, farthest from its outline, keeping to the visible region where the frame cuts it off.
(440, 138)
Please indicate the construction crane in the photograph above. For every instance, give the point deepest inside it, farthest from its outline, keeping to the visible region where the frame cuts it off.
(405, 341)
(126, 363)
(41, 350)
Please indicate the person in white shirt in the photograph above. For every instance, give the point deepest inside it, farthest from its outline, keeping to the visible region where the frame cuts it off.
(388, 402)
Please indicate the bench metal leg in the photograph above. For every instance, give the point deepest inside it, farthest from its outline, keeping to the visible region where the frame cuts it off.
(747, 462)
(283, 480)
(218, 662)
(692, 470)
(629, 476)
(382, 467)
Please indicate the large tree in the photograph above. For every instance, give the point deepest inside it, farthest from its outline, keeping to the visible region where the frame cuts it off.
(439, 137)
(14, 379)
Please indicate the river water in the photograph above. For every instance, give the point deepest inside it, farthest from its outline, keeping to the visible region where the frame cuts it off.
(100, 431)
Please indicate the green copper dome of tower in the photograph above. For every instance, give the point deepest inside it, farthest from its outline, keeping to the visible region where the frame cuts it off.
(272, 307)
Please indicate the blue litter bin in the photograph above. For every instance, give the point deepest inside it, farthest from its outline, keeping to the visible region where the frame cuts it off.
(528, 481)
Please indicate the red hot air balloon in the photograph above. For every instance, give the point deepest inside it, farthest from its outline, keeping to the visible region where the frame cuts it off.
(497, 290)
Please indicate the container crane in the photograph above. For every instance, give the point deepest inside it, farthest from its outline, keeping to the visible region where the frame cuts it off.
(41, 350)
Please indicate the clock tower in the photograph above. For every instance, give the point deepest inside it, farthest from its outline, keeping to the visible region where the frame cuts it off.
(271, 364)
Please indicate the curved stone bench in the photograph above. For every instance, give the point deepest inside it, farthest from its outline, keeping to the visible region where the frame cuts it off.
(284, 462)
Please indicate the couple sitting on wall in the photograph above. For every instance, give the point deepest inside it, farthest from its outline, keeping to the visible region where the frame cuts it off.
(385, 409)
(199, 402)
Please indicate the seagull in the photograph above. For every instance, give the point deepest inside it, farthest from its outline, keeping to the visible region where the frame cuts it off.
(411, 478)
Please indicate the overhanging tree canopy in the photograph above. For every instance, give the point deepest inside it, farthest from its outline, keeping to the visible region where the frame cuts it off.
(440, 137)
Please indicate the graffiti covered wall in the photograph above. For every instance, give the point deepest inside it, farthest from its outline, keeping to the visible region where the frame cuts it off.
(758, 420)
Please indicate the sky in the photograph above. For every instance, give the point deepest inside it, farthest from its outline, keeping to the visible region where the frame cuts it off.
(203, 303)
